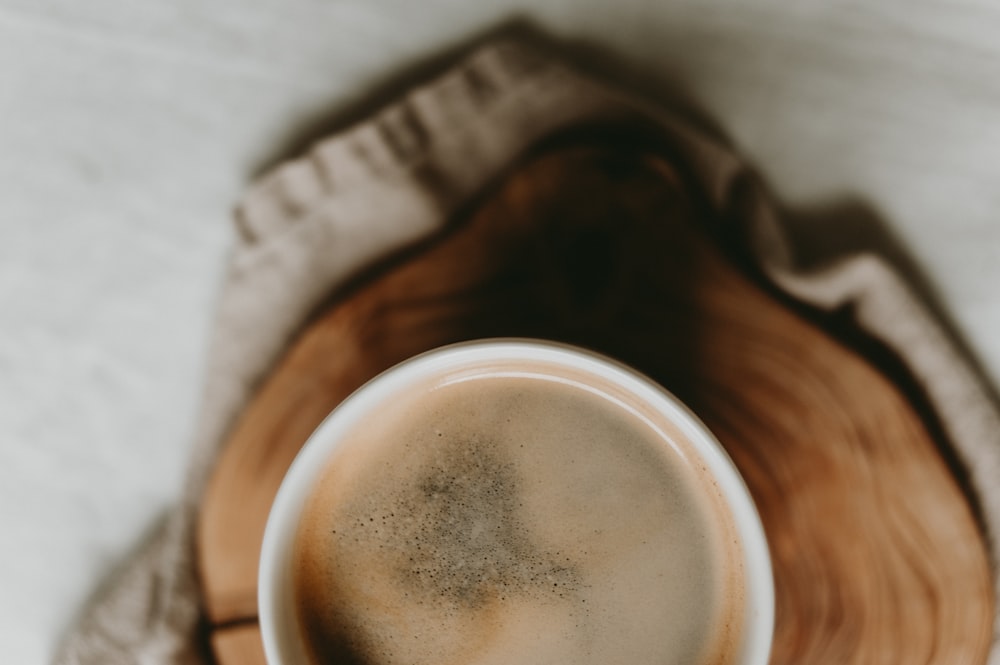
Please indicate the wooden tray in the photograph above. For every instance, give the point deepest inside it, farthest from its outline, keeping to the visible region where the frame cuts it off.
(877, 556)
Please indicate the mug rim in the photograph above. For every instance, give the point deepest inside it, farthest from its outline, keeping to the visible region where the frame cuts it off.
(273, 583)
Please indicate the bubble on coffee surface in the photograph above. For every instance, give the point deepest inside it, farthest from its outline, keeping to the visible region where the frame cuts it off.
(461, 530)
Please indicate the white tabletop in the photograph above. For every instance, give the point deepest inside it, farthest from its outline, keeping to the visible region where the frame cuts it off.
(128, 129)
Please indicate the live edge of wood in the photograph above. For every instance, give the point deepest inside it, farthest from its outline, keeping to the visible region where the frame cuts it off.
(877, 557)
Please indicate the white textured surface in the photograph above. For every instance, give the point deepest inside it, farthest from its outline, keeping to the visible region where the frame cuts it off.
(128, 129)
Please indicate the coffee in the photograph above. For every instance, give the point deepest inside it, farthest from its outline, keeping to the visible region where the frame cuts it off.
(518, 515)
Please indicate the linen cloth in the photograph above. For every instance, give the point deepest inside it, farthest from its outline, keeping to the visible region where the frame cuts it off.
(314, 222)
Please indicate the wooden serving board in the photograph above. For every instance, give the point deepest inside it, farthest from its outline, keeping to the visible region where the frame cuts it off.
(877, 555)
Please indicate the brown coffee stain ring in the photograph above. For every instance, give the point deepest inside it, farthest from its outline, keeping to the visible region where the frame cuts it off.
(877, 556)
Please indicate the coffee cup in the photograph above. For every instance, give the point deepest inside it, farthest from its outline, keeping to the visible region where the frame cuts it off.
(514, 501)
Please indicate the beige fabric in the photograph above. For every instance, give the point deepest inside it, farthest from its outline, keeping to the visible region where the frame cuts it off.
(315, 221)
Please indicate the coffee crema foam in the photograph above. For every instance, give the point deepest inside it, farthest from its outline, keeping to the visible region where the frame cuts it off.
(515, 518)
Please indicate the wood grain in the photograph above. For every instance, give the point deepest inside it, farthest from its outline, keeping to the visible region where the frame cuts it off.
(877, 556)
(239, 644)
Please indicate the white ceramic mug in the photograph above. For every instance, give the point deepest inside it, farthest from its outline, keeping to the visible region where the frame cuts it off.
(283, 644)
